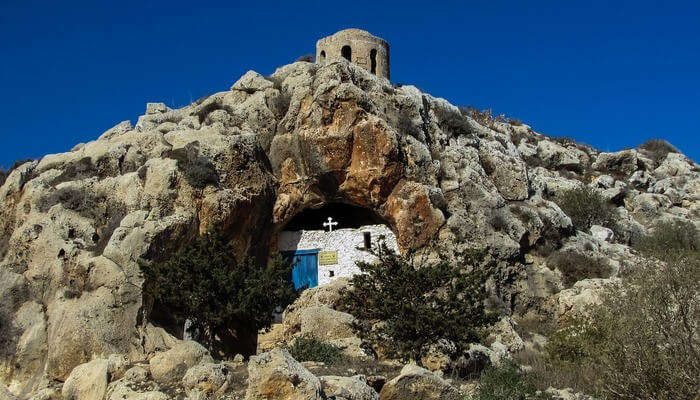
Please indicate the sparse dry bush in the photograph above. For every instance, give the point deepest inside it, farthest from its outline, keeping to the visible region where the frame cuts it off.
(482, 117)
(307, 58)
(642, 341)
(586, 207)
(514, 121)
(506, 382)
(498, 220)
(657, 149)
(669, 237)
(575, 266)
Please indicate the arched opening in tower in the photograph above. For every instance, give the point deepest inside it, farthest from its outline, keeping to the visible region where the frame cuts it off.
(346, 52)
(373, 61)
(323, 55)
(327, 242)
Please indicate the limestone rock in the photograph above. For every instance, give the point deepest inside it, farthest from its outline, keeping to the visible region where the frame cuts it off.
(505, 169)
(675, 164)
(574, 301)
(276, 375)
(504, 332)
(323, 298)
(556, 156)
(205, 379)
(623, 162)
(172, 365)
(602, 233)
(417, 383)
(325, 323)
(251, 81)
(439, 356)
(349, 388)
(89, 381)
(156, 108)
(121, 391)
(566, 394)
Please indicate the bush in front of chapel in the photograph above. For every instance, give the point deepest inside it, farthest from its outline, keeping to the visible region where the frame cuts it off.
(408, 303)
(226, 301)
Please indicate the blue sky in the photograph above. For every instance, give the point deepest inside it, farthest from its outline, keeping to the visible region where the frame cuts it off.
(610, 73)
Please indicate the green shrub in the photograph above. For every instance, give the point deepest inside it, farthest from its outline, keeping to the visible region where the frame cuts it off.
(575, 266)
(407, 302)
(226, 301)
(657, 149)
(669, 238)
(311, 349)
(3, 176)
(586, 207)
(506, 382)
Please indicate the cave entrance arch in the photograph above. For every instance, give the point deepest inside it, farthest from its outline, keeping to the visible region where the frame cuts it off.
(331, 248)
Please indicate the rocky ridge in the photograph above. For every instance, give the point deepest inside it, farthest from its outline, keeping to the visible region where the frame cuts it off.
(76, 226)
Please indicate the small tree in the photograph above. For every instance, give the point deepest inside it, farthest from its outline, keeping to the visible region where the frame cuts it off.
(226, 301)
(406, 303)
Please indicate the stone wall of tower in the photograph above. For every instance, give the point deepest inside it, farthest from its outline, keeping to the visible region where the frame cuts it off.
(365, 50)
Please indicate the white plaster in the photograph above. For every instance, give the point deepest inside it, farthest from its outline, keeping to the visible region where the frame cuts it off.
(346, 241)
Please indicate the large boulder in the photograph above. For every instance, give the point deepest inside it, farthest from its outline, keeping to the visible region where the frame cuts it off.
(89, 381)
(622, 163)
(206, 380)
(415, 382)
(348, 388)
(276, 375)
(171, 365)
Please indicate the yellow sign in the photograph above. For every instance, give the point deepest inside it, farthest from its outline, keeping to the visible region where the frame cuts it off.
(328, 257)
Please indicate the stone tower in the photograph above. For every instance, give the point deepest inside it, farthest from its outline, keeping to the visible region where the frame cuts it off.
(357, 46)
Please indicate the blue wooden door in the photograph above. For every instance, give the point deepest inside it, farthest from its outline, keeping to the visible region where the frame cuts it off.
(305, 272)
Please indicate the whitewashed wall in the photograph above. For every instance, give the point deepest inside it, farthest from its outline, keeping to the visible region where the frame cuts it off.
(345, 241)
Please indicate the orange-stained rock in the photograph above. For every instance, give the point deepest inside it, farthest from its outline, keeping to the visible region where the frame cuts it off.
(412, 215)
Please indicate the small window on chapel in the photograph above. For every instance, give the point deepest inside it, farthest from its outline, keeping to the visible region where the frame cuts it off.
(368, 240)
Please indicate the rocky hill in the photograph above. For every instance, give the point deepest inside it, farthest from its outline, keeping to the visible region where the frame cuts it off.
(74, 227)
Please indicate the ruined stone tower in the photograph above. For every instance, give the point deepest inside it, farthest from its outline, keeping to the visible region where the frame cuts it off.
(357, 46)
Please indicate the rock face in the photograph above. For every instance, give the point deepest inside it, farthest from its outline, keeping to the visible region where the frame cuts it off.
(74, 227)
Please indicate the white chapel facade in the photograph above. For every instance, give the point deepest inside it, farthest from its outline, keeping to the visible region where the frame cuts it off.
(327, 243)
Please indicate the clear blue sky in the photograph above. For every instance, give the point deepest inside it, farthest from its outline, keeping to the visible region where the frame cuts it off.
(608, 73)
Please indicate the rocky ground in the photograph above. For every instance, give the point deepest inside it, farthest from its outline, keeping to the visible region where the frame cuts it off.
(74, 227)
